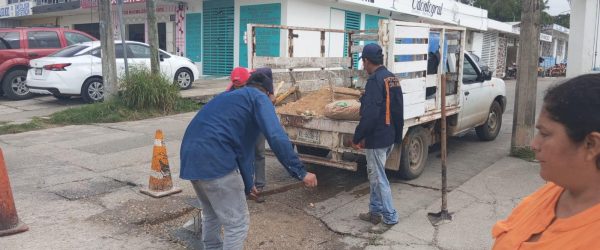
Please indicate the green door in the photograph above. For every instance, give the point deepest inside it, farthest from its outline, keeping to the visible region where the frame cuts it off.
(218, 37)
(267, 40)
(351, 22)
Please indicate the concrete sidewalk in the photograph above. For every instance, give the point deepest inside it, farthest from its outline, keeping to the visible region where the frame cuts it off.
(475, 206)
(205, 89)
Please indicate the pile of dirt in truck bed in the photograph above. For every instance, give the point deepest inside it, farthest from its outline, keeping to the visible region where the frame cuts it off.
(313, 103)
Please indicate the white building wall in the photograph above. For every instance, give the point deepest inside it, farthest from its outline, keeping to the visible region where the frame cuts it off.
(326, 14)
(583, 38)
(477, 43)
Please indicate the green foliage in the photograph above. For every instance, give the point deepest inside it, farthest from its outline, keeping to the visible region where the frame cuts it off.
(563, 20)
(524, 153)
(510, 11)
(105, 112)
(146, 91)
(35, 124)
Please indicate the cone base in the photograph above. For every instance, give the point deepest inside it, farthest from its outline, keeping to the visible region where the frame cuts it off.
(158, 194)
(21, 227)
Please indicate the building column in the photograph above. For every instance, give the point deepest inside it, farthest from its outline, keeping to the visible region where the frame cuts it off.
(564, 50)
(554, 48)
(583, 37)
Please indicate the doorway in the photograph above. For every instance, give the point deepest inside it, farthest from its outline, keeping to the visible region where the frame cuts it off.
(136, 32)
(162, 36)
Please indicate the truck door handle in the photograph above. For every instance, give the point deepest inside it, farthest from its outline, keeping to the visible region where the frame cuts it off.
(33, 54)
(467, 93)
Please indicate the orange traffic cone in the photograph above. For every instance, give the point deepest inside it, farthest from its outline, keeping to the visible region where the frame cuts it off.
(160, 183)
(9, 221)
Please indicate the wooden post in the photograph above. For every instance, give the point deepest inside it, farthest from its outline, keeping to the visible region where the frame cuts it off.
(152, 37)
(107, 45)
(290, 43)
(322, 43)
(444, 147)
(525, 96)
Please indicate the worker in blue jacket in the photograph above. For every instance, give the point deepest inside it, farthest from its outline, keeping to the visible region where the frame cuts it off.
(380, 126)
(217, 155)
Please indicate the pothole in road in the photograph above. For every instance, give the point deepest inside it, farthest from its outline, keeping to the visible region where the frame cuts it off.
(85, 188)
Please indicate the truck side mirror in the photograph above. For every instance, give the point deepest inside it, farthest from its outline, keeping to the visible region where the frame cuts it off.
(486, 74)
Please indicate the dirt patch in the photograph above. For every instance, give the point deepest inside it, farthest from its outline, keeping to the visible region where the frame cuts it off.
(274, 225)
(313, 103)
(146, 212)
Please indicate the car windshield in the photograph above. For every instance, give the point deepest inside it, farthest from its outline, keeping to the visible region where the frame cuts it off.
(69, 51)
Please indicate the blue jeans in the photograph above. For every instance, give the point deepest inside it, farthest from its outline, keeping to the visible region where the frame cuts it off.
(381, 194)
(223, 204)
(259, 163)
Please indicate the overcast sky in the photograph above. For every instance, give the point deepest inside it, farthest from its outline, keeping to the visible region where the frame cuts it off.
(558, 7)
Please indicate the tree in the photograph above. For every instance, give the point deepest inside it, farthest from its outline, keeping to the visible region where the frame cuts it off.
(107, 44)
(503, 10)
(563, 20)
(152, 37)
(525, 94)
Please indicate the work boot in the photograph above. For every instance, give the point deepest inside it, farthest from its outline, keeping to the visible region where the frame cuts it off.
(380, 228)
(369, 217)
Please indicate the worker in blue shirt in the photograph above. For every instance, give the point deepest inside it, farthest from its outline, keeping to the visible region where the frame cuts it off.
(380, 126)
(239, 76)
(217, 154)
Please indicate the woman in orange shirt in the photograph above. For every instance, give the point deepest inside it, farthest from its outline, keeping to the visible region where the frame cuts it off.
(564, 213)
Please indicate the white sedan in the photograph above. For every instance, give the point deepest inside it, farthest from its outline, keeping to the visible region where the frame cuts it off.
(77, 70)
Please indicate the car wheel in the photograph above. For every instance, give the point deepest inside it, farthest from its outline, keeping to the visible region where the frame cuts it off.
(184, 78)
(61, 97)
(14, 85)
(490, 130)
(415, 148)
(92, 90)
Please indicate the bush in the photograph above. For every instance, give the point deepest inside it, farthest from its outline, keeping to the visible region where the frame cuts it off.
(143, 90)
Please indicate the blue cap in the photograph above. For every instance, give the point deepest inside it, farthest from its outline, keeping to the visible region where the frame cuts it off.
(373, 52)
(268, 82)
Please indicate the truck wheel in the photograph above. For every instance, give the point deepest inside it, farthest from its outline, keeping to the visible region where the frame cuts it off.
(415, 148)
(14, 85)
(490, 130)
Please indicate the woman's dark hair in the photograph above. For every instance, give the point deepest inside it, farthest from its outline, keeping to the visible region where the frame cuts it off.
(576, 104)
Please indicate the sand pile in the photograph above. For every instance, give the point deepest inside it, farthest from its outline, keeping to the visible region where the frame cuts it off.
(313, 103)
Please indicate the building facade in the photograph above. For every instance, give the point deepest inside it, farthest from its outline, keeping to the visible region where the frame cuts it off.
(584, 41)
(212, 32)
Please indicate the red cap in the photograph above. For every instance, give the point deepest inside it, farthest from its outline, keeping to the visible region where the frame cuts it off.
(239, 76)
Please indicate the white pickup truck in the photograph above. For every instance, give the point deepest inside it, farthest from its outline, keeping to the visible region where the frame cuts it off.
(473, 98)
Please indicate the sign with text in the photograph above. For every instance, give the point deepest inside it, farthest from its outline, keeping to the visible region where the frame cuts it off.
(16, 10)
(446, 11)
(86, 4)
(545, 37)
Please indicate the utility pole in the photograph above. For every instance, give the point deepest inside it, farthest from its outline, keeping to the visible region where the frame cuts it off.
(107, 44)
(525, 96)
(122, 31)
(152, 37)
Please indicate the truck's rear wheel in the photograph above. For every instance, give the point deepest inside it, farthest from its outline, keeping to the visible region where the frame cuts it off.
(415, 149)
(490, 130)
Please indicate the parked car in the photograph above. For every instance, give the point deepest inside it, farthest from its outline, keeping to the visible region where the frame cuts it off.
(19, 45)
(77, 70)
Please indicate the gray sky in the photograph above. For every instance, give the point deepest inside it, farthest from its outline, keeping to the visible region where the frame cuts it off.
(558, 7)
